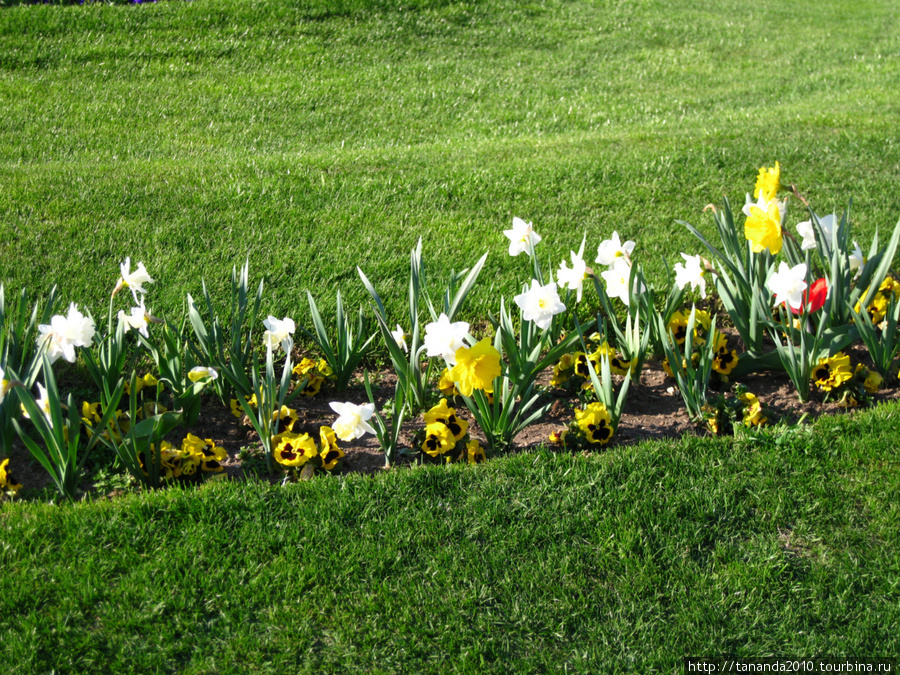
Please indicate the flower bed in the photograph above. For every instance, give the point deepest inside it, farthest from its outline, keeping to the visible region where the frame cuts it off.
(576, 359)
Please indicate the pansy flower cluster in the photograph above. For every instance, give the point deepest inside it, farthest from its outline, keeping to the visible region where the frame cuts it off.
(445, 437)
(572, 371)
(295, 450)
(9, 486)
(195, 458)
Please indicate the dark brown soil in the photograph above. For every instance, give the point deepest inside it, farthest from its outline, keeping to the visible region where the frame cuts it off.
(654, 410)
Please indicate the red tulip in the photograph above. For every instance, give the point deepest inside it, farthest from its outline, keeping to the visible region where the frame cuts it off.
(814, 296)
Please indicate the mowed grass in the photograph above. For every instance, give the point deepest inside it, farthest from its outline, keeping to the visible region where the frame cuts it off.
(629, 560)
(314, 137)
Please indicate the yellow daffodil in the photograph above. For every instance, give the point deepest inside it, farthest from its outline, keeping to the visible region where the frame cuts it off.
(768, 182)
(438, 439)
(763, 229)
(198, 373)
(476, 367)
(595, 422)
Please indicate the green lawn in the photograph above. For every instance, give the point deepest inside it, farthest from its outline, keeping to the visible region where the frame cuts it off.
(629, 560)
(316, 136)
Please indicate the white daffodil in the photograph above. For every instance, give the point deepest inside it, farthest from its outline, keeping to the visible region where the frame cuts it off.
(43, 402)
(763, 204)
(352, 421)
(788, 284)
(807, 230)
(133, 280)
(616, 280)
(611, 250)
(64, 333)
(691, 272)
(400, 338)
(136, 320)
(857, 260)
(443, 338)
(198, 373)
(519, 236)
(278, 332)
(573, 279)
(540, 303)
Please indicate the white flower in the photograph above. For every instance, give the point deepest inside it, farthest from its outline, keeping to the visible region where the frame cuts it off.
(611, 250)
(857, 260)
(198, 373)
(352, 421)
(443, 338)
(806, 229)
(617, 280)
(400, 338)
(134, 280)
(64, 333)
(573, 279)
(540, 303)
(43, 402)
(278, 332)
(519, 236)
(137, 319)
(691, 272)
(788, 284)
(763, 204)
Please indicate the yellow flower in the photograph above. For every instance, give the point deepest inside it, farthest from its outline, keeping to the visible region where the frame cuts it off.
(476, 367)
(474, 452)
(447, 416)
(595, 422)
(678, 327)
(288, 417)
(559, 437)
(206, 451)
(293, 449)
(236, 409)
(438, 439)
(768, 182)
(90, 412)
(324, 368)
(147, 380)
(724, 361)
(563, 370)
(7, 482)
(753, 416)
(446, 385)
(304, 367)
(872, 380)
(831, 372)
(313, 386)
(331, 452)
(763, 228)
